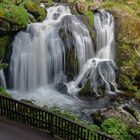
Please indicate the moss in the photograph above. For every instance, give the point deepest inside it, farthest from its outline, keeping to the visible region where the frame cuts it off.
(127, 73)
(125, 5)
(4, 42)
(33, 8)
(71, 67)
(86, 90)
(90, 17)
(116, 128)
(4, 93)
(126, 84)
(13, 17)
(14, 14)
(3, 66)
(135, 132)
(137, 95)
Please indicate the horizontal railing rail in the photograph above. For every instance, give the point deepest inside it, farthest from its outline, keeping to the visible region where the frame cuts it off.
(46, 120)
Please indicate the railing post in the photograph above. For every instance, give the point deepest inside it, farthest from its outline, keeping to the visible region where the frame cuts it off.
(51, 124)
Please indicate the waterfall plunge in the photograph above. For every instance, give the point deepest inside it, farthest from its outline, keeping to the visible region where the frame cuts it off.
(99, 69)
(39, 54)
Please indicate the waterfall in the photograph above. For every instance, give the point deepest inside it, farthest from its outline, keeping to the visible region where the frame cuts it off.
(38, 59)
(2, 79)
(99, 69)
(39, 53)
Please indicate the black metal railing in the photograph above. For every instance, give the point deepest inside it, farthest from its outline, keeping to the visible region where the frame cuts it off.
(48, 121)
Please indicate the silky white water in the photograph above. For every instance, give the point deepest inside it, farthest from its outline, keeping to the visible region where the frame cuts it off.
(39, 56)
(38, 59)
(99, 70)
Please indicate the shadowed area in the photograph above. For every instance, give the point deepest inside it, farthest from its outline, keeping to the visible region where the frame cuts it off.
(13, 131)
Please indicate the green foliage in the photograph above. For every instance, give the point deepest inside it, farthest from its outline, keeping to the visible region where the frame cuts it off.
(135, 132)
(4, 42)
(33, 8)
(4, 93)
(90, 17)
(137, 94)
(94, 128)
(127, 59)
(65, 113)
(126, 84)
(116, 128)
(16, 15)
(3, 66)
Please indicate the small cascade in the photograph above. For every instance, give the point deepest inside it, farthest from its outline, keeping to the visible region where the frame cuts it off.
(99, 69)
(2, 80)
(39, 53)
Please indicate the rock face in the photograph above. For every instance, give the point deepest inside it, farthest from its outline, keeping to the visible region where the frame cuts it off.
(15, 15)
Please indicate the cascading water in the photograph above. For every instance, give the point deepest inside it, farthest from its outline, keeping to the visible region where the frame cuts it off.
(39, 54)
(99, 69)
(39, 60)
(2, 80)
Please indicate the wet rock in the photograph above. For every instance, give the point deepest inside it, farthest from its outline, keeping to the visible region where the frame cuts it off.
(71, 60)
(100, 116)
(61, 88)
(133, 112)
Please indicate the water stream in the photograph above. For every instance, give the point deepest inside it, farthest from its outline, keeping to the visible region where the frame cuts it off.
(38, 59)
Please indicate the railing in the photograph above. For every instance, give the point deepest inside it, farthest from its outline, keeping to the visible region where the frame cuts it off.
(48, 121)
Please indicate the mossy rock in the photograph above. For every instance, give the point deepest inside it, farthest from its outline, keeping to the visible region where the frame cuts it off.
(116, 128)
(135, 132)
(90, 15)
(12, 17)
(16, 14)
(86, 90)
(98, 118)
(3, 66)
(127, 73)
(71, 60)
(33, 8)
(4, 93)
(71, 67)
(4, 42)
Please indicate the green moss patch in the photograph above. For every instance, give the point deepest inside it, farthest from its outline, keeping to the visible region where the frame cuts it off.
(12, 17)
(90, 17)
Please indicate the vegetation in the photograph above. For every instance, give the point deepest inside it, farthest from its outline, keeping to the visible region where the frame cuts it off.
(90, 17)
(4, 93)
(116, 128)
(12, 17)
(135, 132)
(38, 12)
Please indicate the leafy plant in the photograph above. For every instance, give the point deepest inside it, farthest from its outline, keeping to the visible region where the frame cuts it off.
(4, 93)
(116, 128)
